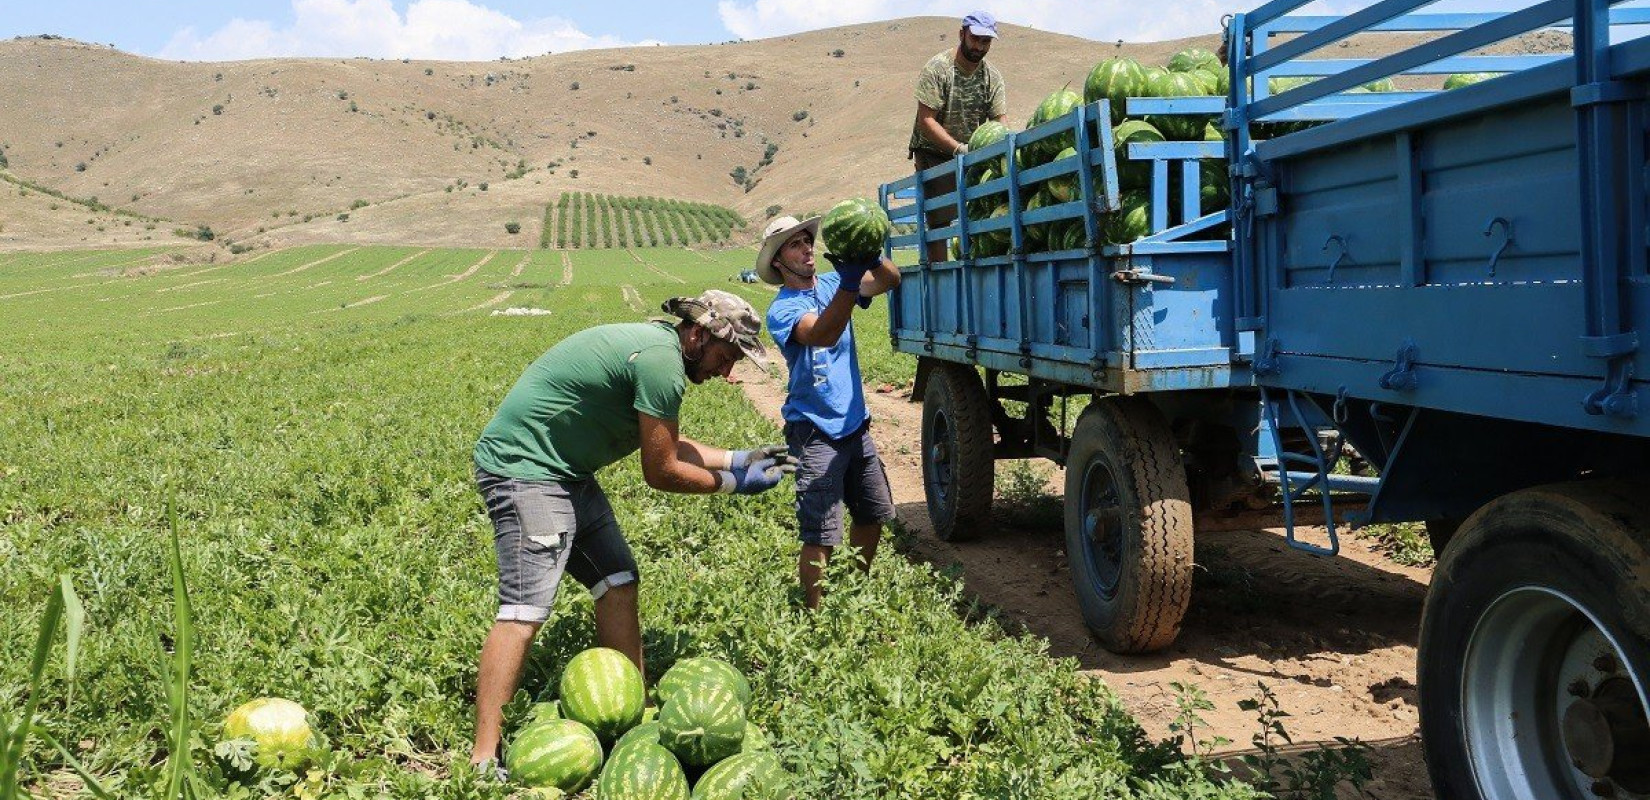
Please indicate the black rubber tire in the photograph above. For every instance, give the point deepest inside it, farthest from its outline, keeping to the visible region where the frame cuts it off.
(1133, 579)
(958, 466)
(1589, 542)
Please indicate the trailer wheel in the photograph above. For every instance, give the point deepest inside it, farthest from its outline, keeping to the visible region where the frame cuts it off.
(1439, 532)
(958, 468)
(1128, 525)
(1534, 661)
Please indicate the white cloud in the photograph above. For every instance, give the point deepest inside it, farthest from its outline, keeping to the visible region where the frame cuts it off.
(1131, 20)
(456, 30)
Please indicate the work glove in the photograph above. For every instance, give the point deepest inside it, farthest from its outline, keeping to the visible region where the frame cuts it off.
(739, 459)
(757, 477)
(962, 149)
(852, 270)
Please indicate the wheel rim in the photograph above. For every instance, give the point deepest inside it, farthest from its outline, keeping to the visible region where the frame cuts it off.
(1102, 518)
(938, 467)
(1550, 708)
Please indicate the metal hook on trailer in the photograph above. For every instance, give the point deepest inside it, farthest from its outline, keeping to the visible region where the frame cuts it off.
(1506, 241)
(1335, 239)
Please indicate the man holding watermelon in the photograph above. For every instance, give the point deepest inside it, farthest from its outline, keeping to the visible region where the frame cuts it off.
(826, 422)
(956, 92)
(589, 401)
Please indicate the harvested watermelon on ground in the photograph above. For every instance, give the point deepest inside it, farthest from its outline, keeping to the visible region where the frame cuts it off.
(279, 728)
(602, 689)
(647, 731)
(855, 229)
(745, 776)
(642, 771)
(692, 671)
(702, 724)
(555, 752)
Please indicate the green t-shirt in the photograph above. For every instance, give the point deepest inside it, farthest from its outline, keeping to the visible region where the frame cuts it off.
(960, 101)
(573, 411)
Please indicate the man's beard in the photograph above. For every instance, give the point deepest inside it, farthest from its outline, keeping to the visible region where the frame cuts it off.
(973, 56)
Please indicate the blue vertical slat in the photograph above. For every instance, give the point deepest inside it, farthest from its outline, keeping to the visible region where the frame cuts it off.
(1160, 194)
(1411, 254)
(1191, 196)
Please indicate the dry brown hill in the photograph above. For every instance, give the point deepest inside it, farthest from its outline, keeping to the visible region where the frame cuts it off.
(273, 151)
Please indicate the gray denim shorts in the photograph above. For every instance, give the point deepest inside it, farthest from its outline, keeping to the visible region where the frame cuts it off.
(831, 473)
(542, 529)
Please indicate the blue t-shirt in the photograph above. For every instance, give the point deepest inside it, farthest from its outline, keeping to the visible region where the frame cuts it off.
(824, 385)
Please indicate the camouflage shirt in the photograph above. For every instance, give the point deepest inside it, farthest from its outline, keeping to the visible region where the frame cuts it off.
(960, 102)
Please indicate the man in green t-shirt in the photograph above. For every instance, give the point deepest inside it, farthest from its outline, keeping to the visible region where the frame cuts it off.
(956, 92)
(592, 399)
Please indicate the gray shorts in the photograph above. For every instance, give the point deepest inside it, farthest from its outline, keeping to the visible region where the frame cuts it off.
(831, 473)
(542, 529)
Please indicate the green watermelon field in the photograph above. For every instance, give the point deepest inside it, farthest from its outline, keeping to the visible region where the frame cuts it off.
(303, 420)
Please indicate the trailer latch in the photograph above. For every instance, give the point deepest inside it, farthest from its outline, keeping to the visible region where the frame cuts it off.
(1135, 277)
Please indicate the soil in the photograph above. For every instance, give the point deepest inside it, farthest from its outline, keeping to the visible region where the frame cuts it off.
(1334, 638)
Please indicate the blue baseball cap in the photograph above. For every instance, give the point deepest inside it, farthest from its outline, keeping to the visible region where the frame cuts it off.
(981, 23)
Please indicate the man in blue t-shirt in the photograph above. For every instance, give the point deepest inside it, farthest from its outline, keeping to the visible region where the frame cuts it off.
(825, 418)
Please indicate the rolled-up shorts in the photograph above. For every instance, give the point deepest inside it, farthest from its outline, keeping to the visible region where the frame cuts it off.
(543, 529)
(832, 473)
(933, 187)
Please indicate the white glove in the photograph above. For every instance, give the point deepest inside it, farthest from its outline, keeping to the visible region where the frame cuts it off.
(962, 149)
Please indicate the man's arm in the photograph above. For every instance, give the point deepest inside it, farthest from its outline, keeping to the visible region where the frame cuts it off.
(879, 279)
(663, 465)
(825, 328)
(928, 122)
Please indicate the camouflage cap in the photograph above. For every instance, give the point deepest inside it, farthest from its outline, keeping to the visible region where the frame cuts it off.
(727, 316)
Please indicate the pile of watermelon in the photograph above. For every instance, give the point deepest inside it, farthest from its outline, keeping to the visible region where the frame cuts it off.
(697, 745)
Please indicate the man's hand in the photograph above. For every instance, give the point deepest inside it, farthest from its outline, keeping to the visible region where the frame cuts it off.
(740, 459)
(962, 149)
(757, 477)
(851, 270)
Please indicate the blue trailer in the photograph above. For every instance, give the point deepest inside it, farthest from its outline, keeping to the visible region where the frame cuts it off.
(1452, 284)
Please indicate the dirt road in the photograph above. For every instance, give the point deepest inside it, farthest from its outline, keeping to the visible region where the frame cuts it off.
(1334, 638)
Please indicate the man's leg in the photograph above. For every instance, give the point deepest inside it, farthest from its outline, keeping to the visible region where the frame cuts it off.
(502, 657)
(810, 567)
(619, 623)
(865, 536)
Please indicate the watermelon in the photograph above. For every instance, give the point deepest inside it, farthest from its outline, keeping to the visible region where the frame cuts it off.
(1194, 59)
(746, 776)
(1053, 107)
(1213, 187)
(1066, 235)
(1063, 188)
(642, 771)
(993, 243)
(1284, 84)
(702, 724)
(691, 671)
(854, 229)
(555, 752)
(979, 207)
(1133, 174)
(1461, 79)
(539, 712)
(1382, 85)
(755, 739)
(1130, 223)
(645, 732)
(1036, 236)
(989, 133)
(1178, 127)
(602, 689)
(1114, 80)
(279, 727)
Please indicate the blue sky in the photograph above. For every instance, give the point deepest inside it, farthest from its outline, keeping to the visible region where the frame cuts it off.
(479, 30)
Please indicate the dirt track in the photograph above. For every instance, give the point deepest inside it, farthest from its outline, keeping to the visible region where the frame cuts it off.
(1333, 638)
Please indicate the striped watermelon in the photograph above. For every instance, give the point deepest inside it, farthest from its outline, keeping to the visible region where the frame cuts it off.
(1115, 80)
(1130, 223)
(746, 776)
(1194, 59)
(1461, 79)
(1066, 235)
(642, 771)
(278, 726)
(855, 229)
(1179, 127)
(645, 732)
(702, 724)
(1064, 188)
(1053, 107)
(755, 739)
(992, 243)
(1133, 174)
(1036, 236)
(692, 671)
(555, 752)
(989, 133)
(603, 690)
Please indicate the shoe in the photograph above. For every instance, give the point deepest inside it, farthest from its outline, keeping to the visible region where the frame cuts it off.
(492, 769)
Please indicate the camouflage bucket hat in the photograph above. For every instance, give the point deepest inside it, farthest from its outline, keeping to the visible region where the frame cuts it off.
(727, 316)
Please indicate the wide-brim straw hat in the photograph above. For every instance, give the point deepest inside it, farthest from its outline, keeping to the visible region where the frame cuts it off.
(773, 238)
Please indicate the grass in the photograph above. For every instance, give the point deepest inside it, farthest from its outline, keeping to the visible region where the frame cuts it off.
(299, 425)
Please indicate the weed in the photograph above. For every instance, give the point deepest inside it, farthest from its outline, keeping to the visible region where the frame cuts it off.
(1312, 775)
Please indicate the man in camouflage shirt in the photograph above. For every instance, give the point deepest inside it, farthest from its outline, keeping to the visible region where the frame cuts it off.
(956, 92)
